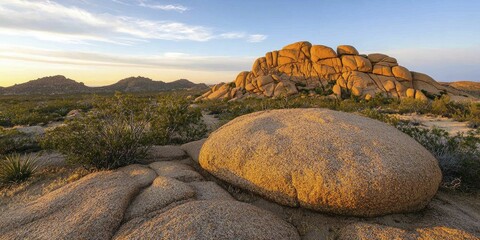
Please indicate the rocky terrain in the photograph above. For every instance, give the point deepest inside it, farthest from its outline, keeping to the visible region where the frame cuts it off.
(318, 69)
(280, 174)
(62, 85)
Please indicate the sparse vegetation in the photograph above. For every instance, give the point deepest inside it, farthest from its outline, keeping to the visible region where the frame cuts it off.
(113, 134)
(33, 110)
(458, 156)
(176, 122)
(15, 169)
(118, 130)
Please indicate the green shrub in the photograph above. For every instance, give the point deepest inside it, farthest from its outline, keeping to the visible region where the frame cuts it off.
(458, 156)
(410, 105)
(440, 106)
(114, 134)
(15, 169)
(176, 122)
(33, 110)
(375, 114)
(119, 130)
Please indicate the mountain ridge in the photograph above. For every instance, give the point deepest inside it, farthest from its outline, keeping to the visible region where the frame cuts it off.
(470, 87)
(59, 84)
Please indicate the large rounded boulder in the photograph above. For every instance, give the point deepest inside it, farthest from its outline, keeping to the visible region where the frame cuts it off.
(323, 160)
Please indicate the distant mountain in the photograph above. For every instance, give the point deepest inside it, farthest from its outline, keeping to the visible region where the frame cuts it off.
(47, 85)
(61, 85)
(470, 87)
(142, 84)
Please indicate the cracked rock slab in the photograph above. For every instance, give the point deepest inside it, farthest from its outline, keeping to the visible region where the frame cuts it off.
(209, 220)
(90, 208)
(165, 153)
(210, 191)
(177, 170)
(160, 194)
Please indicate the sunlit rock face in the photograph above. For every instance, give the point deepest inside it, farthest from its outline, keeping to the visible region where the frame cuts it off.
(303, 67)
(323, 160)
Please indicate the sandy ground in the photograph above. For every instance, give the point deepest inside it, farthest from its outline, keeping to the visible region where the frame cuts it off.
(211, 121)
(429, 121)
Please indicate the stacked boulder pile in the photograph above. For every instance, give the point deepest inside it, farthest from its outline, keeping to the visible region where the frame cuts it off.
(318, 69)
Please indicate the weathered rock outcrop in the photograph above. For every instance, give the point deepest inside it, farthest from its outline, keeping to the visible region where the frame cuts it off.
(89, 208)
(213, 219)
(156, 203)
(167, 199)
(302, 66)
(324, 160)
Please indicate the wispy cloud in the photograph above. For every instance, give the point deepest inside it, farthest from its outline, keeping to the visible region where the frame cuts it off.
(168, 7)
(169, 60)
(146, 4)
(48, 20)
(253, 38)
(256, 38)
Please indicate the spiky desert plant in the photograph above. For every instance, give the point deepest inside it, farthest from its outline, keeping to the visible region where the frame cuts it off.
(15, 169)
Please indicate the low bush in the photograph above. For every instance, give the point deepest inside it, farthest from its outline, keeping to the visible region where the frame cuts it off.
(410, 105)
(33, 110)
(119, 130)
(15, 169)
(458, 156)
(176, 122)
(114, 134)
(375, 114)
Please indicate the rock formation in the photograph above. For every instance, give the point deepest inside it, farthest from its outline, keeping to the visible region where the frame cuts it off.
(319, 69)
(157, 201)
(324, 160)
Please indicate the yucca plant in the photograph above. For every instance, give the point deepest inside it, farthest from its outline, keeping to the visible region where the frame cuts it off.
(15, 169)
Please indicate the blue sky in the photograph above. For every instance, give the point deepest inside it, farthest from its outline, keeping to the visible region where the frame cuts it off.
(101, 41)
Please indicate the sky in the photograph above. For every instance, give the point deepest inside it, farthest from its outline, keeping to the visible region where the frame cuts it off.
(99, 42)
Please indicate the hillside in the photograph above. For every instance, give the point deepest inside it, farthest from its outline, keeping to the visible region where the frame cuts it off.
(466, 86)
(53, 85)
(46, 86)
(142, 84)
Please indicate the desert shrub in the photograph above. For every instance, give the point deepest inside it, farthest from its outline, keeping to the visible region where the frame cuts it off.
(176, 122)
(410, 105)
(375, 114)
(458, 156)
(113, 134)
(12, 141)
(15, 169)
(440, 106)
(380, 100)
(33, 110)
(469, 112)
(119, 130)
